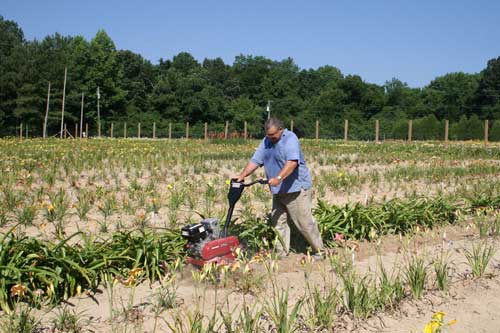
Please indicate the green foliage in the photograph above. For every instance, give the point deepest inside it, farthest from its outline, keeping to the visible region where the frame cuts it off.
(392, 217)
(479, 257)
(415, 273)
(60, 270)
(467, 129)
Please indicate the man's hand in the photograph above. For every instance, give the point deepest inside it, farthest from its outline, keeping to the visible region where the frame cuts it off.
(248, 170)
(274, 181)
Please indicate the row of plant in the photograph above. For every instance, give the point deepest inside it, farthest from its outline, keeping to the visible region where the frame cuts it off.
(79, 261)
(375, 219)
(340, 291)
(31, 267)
(78, 155)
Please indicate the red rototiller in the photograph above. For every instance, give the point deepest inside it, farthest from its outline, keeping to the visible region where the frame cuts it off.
(205, 241)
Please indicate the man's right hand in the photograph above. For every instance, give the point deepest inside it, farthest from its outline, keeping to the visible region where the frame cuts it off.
(240, 178)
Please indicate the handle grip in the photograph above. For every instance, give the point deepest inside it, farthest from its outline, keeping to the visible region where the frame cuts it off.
(260, 181)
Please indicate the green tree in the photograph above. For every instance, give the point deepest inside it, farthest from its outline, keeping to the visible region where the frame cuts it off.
(446, 96)
(467, 128)
(12, 65)
(486, 100)
(105, 73)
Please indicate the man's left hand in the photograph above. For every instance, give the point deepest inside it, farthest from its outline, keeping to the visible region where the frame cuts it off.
(274, 181)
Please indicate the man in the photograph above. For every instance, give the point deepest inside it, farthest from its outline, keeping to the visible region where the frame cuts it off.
(290, 183)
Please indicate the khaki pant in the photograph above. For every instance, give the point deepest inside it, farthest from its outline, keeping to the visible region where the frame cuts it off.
(295, 207)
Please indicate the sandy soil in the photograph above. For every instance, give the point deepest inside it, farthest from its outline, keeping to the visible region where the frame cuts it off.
(474, 303)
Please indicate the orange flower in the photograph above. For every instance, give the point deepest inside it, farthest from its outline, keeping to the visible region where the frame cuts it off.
(18, 290)
(135, 272)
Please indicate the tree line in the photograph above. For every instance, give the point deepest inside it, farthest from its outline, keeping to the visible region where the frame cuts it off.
(181, 90)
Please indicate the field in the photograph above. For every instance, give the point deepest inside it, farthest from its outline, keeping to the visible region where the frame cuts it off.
(90, 239)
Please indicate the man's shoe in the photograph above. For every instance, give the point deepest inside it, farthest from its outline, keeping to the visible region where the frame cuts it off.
(318, 256)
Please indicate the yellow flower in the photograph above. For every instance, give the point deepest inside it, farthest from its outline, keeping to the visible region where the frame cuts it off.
(439, 316)
(303, 261)
(235, 266)
(170, 186)
(228, 181)
(50, 208)
(431, 327)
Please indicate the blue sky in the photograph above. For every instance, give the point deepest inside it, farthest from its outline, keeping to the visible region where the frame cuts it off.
(414, 41)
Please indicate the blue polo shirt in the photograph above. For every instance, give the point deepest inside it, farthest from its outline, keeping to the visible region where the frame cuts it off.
(274, 156)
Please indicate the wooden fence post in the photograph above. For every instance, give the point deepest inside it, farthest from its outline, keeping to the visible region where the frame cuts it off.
(87, 130)
(139, 130)
(169, 131)
(111, 134)
(346, 129)
(76, 130)
(21, 131)
(410, 129)
(486, 127)
(446, 126)
(187, 129)
(81, 116)
(245, 130)
(63, 98)
(125, 130)
(317, 131)
(226, 129)
(154, 130)
(46, 114)
(65, 131)
(291, 125)
(377, 129)
(206, 131)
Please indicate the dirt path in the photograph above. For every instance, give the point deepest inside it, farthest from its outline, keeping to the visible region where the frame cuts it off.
(475, 304)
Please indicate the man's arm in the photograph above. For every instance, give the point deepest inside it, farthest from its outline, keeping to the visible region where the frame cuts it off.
(288, 168)
(248, 170)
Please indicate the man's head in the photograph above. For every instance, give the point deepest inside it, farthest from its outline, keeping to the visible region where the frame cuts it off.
(274, 129)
